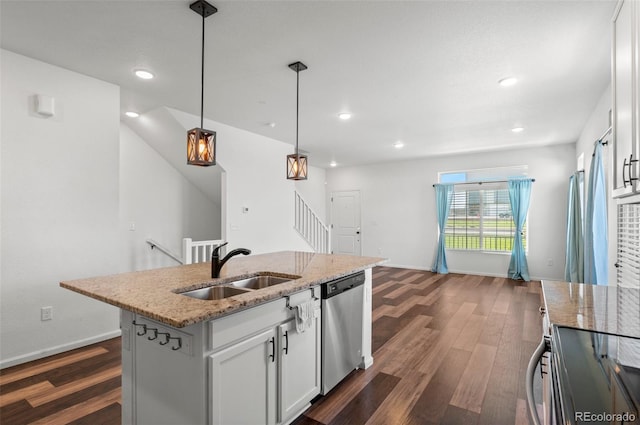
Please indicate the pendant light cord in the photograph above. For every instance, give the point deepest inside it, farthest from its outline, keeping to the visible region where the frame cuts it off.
(297, 103)
(202, 78)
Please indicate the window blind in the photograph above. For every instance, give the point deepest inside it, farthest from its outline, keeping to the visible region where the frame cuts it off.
(480, 219)
(628, 261)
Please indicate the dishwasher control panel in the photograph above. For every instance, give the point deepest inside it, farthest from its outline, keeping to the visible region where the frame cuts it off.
(336, 287)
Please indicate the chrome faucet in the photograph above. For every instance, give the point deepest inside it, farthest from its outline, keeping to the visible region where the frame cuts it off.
(217, 263)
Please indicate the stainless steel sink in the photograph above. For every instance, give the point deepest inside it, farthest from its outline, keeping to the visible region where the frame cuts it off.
(261, 281)
(217, 292)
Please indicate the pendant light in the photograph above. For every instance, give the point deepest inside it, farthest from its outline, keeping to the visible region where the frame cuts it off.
(201, 143)
(296, 163)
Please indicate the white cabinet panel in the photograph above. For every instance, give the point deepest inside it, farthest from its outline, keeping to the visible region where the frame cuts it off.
(299, 367)
(242, 381)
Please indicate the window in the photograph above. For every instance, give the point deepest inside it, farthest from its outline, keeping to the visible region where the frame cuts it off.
(480, 216)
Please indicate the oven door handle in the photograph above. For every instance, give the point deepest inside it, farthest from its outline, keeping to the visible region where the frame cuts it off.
(531, 370)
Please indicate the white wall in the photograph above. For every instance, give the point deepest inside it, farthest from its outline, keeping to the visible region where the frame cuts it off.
(255, 178)
(160, 204)
(594, 128)
(73, 184)
(59, 205)
(399, 213)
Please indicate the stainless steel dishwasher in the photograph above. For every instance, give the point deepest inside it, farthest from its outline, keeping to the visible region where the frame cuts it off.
(342, 303)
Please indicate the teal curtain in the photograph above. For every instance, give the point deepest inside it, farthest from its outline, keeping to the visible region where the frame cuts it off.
(519, 197)
(595, 234)
(444, 195)
(574, 260)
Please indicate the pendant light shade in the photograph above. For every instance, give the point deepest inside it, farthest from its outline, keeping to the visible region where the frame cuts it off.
(296, 167)
(201, 143)
(201, 147)
(296, 163)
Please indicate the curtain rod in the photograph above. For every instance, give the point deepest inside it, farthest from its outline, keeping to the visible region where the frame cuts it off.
(486, 181)
(595, 144)
(602, 137)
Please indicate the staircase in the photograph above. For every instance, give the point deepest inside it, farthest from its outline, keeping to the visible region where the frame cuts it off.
(310, 227)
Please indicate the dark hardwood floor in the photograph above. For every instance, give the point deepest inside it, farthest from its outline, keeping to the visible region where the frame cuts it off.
(448, 349)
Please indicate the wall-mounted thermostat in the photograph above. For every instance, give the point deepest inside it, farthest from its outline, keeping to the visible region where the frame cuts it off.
(45, 105)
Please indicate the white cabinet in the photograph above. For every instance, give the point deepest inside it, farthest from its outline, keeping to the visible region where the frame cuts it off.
(299, 359)
(626, 109)
(243, 382)
(262, 371)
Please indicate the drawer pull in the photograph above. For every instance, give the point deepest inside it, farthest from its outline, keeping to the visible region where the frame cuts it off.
(272, 356)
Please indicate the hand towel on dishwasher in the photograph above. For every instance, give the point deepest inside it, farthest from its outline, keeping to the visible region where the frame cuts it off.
(305, 311)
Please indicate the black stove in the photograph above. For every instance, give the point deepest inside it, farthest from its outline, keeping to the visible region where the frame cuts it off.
(595, 377)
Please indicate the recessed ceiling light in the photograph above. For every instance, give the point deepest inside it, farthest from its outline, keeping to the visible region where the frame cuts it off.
(144, 74)
(132, 114)
(398, 145)
(344, 115)
(517, 129)
(333, 164)
(271, 124)
(508, 81)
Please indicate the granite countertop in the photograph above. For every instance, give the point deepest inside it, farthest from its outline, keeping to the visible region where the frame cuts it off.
(607, 309)
(155, 293)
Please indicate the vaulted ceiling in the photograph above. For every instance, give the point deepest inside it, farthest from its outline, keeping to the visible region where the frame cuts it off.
(422, 72)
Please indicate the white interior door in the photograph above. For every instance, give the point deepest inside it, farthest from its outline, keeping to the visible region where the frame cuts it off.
(345, 222)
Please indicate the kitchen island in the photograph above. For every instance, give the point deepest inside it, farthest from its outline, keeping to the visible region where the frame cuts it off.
(239, 359)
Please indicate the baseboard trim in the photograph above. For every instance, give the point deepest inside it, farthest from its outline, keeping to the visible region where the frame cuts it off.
(403, 266)
(470, 272)
(36, 355)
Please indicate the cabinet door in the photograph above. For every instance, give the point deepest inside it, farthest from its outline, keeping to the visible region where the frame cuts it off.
(242, 382)
(299, 367)
(636, 93)
(624, 94)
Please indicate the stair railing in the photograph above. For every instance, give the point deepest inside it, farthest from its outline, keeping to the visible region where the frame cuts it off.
(164, 250)
(198, 251)
(310, 227)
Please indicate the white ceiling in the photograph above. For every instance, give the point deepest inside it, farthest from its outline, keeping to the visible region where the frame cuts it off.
(424, 72)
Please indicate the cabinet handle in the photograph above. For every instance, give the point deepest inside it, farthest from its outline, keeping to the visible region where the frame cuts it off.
(631, 161)
(286, 342)
(624, 166)
(272, 356)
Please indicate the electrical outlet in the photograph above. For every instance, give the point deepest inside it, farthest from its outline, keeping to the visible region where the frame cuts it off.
(550, 262)
(46, 313)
